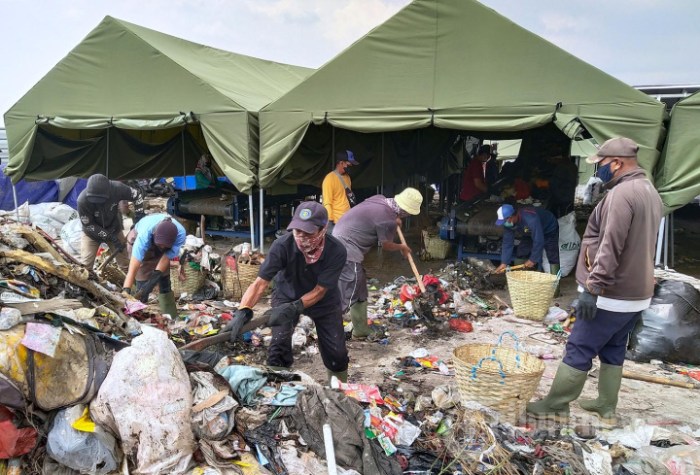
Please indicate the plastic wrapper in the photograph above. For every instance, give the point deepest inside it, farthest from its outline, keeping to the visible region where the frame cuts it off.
(146, 400)
(212, 414)
(360, 392)
(88, 452)
(670, 328)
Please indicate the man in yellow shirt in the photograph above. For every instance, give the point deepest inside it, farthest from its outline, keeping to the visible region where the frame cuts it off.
(337, 192)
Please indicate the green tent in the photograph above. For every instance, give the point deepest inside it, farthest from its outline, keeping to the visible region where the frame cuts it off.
(135, 103)
(678, 171)
(439, 66)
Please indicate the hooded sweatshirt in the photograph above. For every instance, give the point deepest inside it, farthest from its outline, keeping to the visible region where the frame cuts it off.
(98, 207)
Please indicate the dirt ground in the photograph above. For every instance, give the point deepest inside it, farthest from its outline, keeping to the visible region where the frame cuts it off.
(374, 363)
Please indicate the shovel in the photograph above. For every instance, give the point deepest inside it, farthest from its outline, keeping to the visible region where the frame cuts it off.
(410, 260)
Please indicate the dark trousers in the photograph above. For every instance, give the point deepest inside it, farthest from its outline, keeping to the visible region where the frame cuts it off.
(352, 285)
(164, 283)
(551, 247)
(605, 336)
(331, 338)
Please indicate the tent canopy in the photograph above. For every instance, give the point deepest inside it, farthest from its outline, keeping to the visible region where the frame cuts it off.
(448, 65)
(678, 171)
(135, 103)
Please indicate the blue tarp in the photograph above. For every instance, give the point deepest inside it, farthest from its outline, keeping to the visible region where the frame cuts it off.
(35, 192)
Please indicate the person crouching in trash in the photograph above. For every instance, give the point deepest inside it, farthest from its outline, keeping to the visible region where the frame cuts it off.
(154, 240)
(306, 265)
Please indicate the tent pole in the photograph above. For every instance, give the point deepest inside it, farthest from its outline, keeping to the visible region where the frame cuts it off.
(107, 161)
(659, 242)
(668, 222)
(251, 220)
(262, 223)
(382, 163)
(14, 195)
(184, 168)
(332, 147)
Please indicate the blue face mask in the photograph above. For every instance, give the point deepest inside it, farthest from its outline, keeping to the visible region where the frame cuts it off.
(508, 224)
(605, 173)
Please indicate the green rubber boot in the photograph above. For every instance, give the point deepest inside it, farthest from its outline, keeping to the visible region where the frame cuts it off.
(554, 270)
(358, 316)
(341, 375)
(167, 304)
(609, 382)
(567, 386)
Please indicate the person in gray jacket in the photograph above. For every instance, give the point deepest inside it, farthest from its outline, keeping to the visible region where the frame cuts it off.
(98, 208)
(615, 273)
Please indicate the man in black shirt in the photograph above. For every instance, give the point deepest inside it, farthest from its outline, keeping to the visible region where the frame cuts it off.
(306, 265)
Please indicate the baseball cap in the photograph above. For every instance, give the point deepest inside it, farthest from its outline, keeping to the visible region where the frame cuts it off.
(616, 147)
(308, 217)
(409, 200)
(346, 155)
(503, 213)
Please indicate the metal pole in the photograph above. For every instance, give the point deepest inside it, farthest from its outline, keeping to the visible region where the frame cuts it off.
(107, 161)
(251, 220)
(666, 244)
(262, 223)
(332, 147)
(14, 195)
(659, 242)
(184, 168)
(672, 238)
(382, 163)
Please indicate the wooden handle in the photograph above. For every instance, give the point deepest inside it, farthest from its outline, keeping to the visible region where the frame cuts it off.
(656, 379)
(410, 261)
(202, 343)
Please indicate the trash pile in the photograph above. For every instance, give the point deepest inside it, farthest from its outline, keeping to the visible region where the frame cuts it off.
(91, 383)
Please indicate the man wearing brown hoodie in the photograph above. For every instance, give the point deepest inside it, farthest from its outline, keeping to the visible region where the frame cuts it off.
(615, 273)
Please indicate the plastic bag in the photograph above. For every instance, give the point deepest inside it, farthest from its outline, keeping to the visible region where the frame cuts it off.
(146, 400)
(88, 452)
(670, 328)
(72, 237)
(569, 245)
(212, 414)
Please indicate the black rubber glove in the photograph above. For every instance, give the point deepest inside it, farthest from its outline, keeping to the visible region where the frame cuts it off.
(286, 314)
(585, 307)
(240, 318)
(150, 284)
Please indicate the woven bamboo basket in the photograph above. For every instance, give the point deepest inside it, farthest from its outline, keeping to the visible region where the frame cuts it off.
(236, 277)
(435, 247)
(185, 278)
(531, 293)
(502, 378)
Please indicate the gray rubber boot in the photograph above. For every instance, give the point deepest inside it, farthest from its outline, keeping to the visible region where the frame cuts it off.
(341, 375)
(358, 316)
(167, 304)
(554, 270)
(567, 386)
(609, 382)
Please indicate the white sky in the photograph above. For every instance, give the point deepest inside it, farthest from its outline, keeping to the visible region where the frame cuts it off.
(641, 42)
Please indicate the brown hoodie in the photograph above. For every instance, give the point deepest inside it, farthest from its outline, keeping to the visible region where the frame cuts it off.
(617, 249)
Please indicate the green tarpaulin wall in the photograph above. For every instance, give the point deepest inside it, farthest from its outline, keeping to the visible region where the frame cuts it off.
(135, 103)
(678, 171)
(440, 67)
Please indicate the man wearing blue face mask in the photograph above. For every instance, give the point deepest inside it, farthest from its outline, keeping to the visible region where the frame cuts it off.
(538, 230)
(615, 273)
